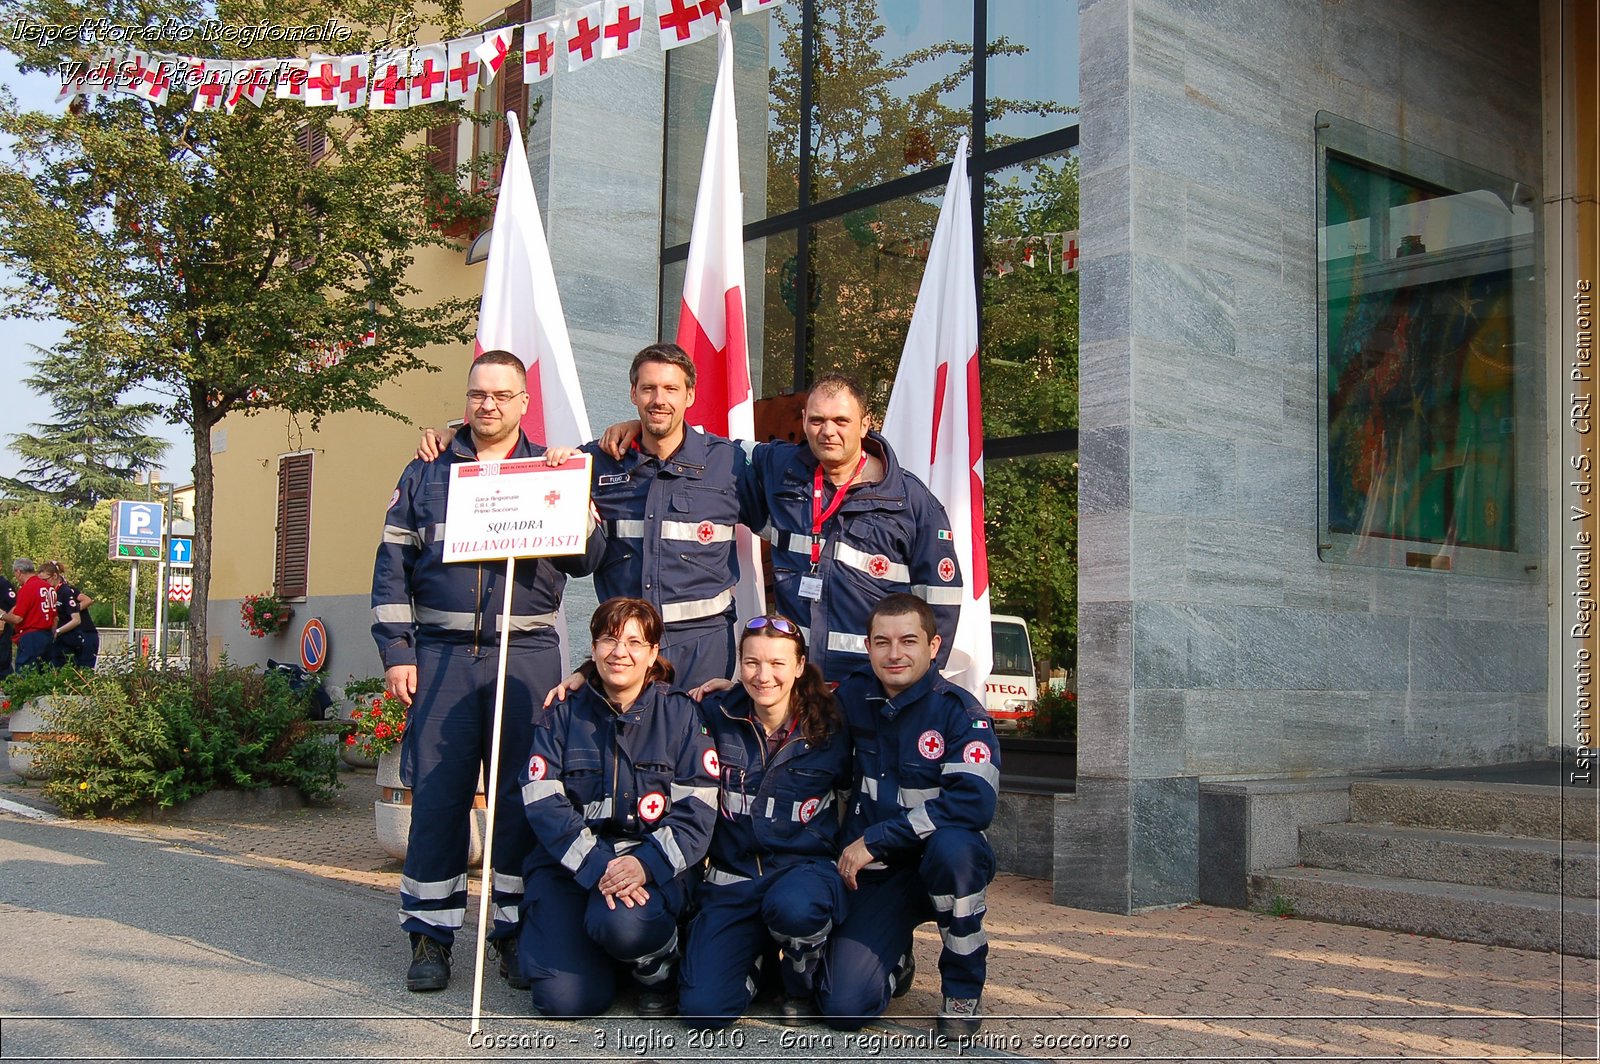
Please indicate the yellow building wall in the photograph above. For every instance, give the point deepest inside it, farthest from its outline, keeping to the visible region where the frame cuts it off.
(357, 458)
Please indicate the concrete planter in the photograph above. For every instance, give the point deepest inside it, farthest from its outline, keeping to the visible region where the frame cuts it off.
(28, 722)
(352, 756)
(392, 812)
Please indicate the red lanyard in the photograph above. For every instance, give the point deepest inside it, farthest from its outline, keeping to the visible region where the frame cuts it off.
(819, 516)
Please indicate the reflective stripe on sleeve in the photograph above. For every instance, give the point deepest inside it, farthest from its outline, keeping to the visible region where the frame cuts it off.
(850, 644)
(669, 845)
(862, 561)
(600, 810)
(985, 772)
(934, 595)
(706, 796)
(392, 613)
(538, 790)
(910, 798)
(920, 822)
(869, 787)
(572, 860)
(403, 536)
(717, 877)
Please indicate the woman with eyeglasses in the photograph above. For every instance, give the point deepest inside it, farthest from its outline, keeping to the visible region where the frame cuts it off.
(620, 788)
(786, 771)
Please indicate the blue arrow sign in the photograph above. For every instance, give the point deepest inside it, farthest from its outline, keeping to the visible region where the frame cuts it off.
(180, 551)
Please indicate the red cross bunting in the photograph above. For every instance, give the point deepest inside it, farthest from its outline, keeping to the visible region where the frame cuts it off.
(1069, 256)
(652, 805)
(465, 71)
(976, 753)
(502, 45)
(878, 566)
(429, 78)
(391, 85)
(156, 81)
(705, 532)
(211, 91)
(540, 54)
(679, 18)
(624, 28)
(352, 84)
(297, 82)
(583, 39)
(713, 9)
(931, 744)
(947, 570)
(324, 81)
(136, 75)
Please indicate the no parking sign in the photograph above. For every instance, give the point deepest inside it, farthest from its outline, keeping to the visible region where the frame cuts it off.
(313, 645)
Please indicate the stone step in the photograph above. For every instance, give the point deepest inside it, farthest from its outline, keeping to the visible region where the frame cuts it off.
(1545, 866)
(1520, 919)
(1523, 809)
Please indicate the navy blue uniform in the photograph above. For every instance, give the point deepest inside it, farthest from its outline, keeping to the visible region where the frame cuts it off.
(600, 784)
(81, 646)
(445, 620)
(773, 874)
(670, 541)
(927, 779)
(8, 603)
(889, 536)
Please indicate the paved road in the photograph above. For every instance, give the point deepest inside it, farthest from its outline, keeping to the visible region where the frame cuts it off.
(121, 946)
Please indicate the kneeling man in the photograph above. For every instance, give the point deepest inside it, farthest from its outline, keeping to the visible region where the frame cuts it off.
(926, 781)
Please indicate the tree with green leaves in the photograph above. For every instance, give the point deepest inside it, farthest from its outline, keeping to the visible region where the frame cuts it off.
(230, 263)
(93, 447)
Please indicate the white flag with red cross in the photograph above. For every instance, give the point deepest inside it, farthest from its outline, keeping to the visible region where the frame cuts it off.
(391, 81)
(354, 77)
(494, 50)
(292, 75)
(750, 7)
(686, 21)
(583, 28)
(216, 82)
(131, 70)
(935, 418)
(428, 67)
(461, 78)
(521, 312)
(252, 83)
(539, 49)
(711, 321)
(623, 27)
(155, 85)
(322, 84)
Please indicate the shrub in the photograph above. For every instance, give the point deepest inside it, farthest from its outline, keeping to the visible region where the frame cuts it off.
(1055, 715)
(139, 735)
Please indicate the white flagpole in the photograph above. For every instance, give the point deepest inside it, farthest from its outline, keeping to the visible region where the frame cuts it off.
(492, 787)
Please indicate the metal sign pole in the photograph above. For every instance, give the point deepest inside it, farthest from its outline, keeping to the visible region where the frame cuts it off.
(491, 786)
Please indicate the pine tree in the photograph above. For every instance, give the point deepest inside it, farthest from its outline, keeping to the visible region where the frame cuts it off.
(93, 447)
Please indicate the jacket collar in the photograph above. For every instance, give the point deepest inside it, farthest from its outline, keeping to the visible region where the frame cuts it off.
(689, 460)
(462, 449)
(874, 444)
(893, 707)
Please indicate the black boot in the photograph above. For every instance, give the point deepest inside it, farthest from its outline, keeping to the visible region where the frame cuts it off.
(511, 964)
(430, 964)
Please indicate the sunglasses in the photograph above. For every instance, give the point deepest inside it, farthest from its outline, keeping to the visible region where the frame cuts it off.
(782, 624)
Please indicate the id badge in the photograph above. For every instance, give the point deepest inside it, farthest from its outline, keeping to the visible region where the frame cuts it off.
(811, 587)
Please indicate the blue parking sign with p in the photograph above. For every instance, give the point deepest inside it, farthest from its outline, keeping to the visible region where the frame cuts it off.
(137, 530)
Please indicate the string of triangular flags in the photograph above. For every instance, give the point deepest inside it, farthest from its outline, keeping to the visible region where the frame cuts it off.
(1055, 252)
(399, 78)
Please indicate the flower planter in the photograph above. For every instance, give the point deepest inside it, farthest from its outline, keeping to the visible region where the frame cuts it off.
(353, 757)
(392, 812)
(28, 723)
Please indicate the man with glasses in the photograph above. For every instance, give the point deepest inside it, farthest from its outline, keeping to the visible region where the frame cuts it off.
(670, 502)
(437, 628)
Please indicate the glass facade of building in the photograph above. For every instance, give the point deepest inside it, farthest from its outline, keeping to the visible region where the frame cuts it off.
(862, 103)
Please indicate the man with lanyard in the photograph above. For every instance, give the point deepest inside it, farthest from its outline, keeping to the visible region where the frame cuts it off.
(670, 502)
(927, 778)
(847, 526)
(34, 616)
(437, 628)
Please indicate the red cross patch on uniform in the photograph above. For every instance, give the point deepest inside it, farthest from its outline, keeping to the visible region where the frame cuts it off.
(947, 570)
(705, 532)
(651, 806)
(537, 767)
(808, 809)
(394, 498)
(976, 753)
(878, 566)
(712, 766)
(931, 745)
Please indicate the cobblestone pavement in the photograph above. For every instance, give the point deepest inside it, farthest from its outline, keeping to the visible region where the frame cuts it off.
(1193, 982)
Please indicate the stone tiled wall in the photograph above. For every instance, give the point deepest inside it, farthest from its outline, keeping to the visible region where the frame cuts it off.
(1213, 642)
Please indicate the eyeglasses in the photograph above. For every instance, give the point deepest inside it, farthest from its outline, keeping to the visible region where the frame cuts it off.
(632, 647)
(478, 398)
(782, 624)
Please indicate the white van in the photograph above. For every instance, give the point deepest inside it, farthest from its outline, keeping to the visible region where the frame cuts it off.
(1010, 693)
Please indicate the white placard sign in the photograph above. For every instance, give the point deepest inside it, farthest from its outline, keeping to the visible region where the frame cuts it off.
(516, 508)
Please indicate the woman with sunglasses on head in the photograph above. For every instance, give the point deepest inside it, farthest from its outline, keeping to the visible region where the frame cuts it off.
(620, 788)
(772, 878)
